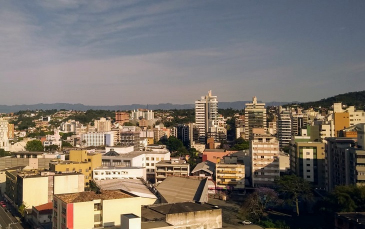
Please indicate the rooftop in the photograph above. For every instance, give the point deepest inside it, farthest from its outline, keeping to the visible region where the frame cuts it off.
(207, 166)
(45, 208)
(115, 167)
(172, 162)
(90, 196)
(134, 186)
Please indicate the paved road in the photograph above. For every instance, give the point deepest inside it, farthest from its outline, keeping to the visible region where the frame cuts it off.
(7, 219)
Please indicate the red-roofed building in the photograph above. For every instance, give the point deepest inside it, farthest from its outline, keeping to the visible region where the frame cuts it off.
(42, 214)
(215, 155)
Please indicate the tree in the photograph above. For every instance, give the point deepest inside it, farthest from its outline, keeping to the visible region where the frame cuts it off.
(4, 153)
(51, 148)
(240, 144)
(173, 144)
(34, 145)
(66, 144)
(292, 188)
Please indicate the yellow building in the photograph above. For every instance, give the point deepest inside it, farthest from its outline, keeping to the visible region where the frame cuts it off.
(80, 161)
(93, 210)
(342, 121)
(230, 174)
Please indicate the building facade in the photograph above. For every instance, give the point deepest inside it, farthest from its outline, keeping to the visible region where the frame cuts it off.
(255, 117)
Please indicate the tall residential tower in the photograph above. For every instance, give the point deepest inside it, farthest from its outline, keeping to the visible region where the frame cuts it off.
(206, 114)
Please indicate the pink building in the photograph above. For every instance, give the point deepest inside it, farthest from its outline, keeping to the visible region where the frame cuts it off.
(215, 155)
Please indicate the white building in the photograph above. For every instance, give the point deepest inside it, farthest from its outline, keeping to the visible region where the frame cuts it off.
(118, 172)
(4, 140)
(53, 139)
(120, 149)
(97, 139)
(206, 114)
(142, 114)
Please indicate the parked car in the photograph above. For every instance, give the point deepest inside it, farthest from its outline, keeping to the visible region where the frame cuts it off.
(3, 205)
(246, 222)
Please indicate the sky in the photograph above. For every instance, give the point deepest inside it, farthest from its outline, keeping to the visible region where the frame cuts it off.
(149, 52)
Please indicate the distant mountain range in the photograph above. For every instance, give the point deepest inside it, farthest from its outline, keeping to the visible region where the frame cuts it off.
(238, 105)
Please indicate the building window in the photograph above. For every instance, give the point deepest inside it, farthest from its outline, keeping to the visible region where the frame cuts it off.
(308, 176)
(308, 171)
(147, 158)
(308, 165)
(147, 164)
(308, 153)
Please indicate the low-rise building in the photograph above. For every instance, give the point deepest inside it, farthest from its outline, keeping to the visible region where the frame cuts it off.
(93, 210)
(118, 172)
(230, 174)
(173, 167)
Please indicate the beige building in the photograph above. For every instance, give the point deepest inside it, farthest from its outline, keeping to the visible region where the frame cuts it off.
(173, 167)
(230, 174)
(93, 210)
(103, 125)
(33, 188)
(264, 151)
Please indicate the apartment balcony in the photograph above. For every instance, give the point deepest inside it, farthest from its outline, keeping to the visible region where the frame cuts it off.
(227, 171)
(228, 182)
(228, 177)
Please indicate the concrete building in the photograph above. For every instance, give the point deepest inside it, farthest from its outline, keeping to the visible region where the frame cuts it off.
(97, 139)
(264, 151)
(353, 220)
(121, 117)
(215, 155)
(142, 114)
(284, 162)
(93, 210)
(255, 117)
(342, 121)
(103, 125)
(230, 174)
(345, 163)
(33, 188)
(181, 215)
(284, 127)
(147, 159)
(130, 138)
(299, 121)
(206, 114)
(80, 161)
(53, 139)
(118, 172)
(4, 130)
(172, 167)
(41, 215)
(307, 160)
(119, 149)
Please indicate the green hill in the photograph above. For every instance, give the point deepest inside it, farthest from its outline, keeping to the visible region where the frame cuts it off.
(356, 99)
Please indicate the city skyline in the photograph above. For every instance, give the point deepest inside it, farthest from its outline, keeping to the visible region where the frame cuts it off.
(112, 53)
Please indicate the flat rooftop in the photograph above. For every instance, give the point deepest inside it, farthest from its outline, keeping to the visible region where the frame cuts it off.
(173, 162)
(115, 168)
(90, 196)
(136, 154)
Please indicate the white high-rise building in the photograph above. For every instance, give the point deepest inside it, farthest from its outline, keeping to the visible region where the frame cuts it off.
(4, 140)
(103, 125)
(206, 114)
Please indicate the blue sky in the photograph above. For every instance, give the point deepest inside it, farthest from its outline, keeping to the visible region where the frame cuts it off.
(125, 52)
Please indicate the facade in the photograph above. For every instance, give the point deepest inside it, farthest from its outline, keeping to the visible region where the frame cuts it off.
(230, 174)
(342, 121)
(204, 169)
(255, 117)
(182, 133)
(80, 161)
(113, 172)
(206, 114)
(42, 214)
(33, 188)
(130, 138)
(215, 155)
(174, 167)
(93, 210)
(142, 114)
(307, 160)
(343, 165)
(121, 117)
(284, 128)
(103, 125)
(4, 139)
(299, 121)
(264, 151)
(97, 139)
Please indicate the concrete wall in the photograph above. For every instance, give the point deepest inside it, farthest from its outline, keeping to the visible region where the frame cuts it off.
(68, 184)
(194, 220)
(83, 215)
(35, 191)
(2, 181)
(112, 209)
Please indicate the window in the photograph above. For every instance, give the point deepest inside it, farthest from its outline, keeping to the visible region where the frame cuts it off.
(147, 158)
(80, 170)
(308, 176)
(308, 153)
(147, 164)
(308, 171)
(67, 169)
(152, 164)
(262, 156)
(308, 159)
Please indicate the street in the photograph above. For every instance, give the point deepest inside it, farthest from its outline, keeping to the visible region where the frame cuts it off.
(6, 220)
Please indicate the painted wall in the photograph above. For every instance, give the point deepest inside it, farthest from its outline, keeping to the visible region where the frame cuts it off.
(68, 184)
(35, 191)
